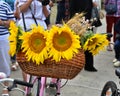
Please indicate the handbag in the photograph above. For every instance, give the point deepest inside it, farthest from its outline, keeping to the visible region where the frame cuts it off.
(97, 23)
(111, 8)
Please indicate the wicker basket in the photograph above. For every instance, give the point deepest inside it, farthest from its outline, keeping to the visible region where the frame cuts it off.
(65, 69)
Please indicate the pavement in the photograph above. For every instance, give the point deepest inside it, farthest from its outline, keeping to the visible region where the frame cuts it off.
(86, 83)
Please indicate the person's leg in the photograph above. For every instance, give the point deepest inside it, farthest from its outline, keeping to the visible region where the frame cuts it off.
(89, 62)
(117, 49)
(14, 62)
(109, 23)
(117, 53)
(60, 13)
(94, 29)
(5, 62)
(114, 33)
(5, 57)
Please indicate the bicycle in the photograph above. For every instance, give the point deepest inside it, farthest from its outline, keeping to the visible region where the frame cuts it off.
(13, 85)
(110, 87)
(42, 89)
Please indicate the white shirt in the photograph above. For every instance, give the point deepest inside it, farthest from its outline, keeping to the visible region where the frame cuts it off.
(36, 9)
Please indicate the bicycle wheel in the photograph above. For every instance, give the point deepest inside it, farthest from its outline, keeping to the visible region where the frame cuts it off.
(110, 89)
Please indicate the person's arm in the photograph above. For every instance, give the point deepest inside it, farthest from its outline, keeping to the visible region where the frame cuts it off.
(5, 23)
(45, 11)
(17, 10)
(24, 7)
(95, 4)
(51, 3)
(44, 4)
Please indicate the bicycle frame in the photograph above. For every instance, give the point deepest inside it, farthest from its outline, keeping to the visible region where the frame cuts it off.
(42, 84)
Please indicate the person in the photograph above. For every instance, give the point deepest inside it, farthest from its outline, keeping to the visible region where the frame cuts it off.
(14, 63)
(96, 16)
(48, 18)
(62, 11)
(78, 6)
(16, 10)
(6, 16)
(116, 61)
(28, 9)
(11, 3)
(111, 19)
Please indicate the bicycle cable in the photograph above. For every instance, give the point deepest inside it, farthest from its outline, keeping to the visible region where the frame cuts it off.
(64, 83)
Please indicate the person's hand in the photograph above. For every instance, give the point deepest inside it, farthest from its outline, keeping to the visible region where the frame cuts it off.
(51, 3)
(95, 4)
(45, 2)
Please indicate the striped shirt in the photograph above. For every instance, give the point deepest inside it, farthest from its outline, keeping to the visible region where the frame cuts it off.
(117, 14)
(5, 14)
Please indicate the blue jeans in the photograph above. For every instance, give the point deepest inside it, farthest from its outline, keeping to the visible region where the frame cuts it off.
(13, 59)
(117, 49)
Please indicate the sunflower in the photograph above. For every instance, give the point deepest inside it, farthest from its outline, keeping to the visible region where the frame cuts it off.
(96, 43)
(63, 42)
(13, 29)
(35, 44)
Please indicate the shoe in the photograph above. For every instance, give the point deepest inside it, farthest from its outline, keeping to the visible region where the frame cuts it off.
(15, 66)
(117, 64)
(5, 92)
(109, 48)
(91, 69)
(115, 60)
(2, 75)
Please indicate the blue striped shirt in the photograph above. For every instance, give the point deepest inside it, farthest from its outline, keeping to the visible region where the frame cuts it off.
(5, 14)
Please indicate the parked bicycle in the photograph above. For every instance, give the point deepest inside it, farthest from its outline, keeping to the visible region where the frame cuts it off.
(110, 88)
(37, 86)
(13, 85)
(42, 88)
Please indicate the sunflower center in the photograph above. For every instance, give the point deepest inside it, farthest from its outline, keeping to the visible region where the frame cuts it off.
(62, 42)
(92, 42)
(37, 42)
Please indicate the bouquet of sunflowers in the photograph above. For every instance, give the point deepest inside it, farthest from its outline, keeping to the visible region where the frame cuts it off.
(39, 44)
(60, 43)
(57, 42)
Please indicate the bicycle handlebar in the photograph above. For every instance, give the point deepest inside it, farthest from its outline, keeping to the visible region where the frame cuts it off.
(22, 83)
(16, 81)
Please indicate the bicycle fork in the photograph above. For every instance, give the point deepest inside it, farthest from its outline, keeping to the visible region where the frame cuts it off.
(41, 86)
(57, 84)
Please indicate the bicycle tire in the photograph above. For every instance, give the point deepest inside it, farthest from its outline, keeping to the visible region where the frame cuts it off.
(112, 85)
